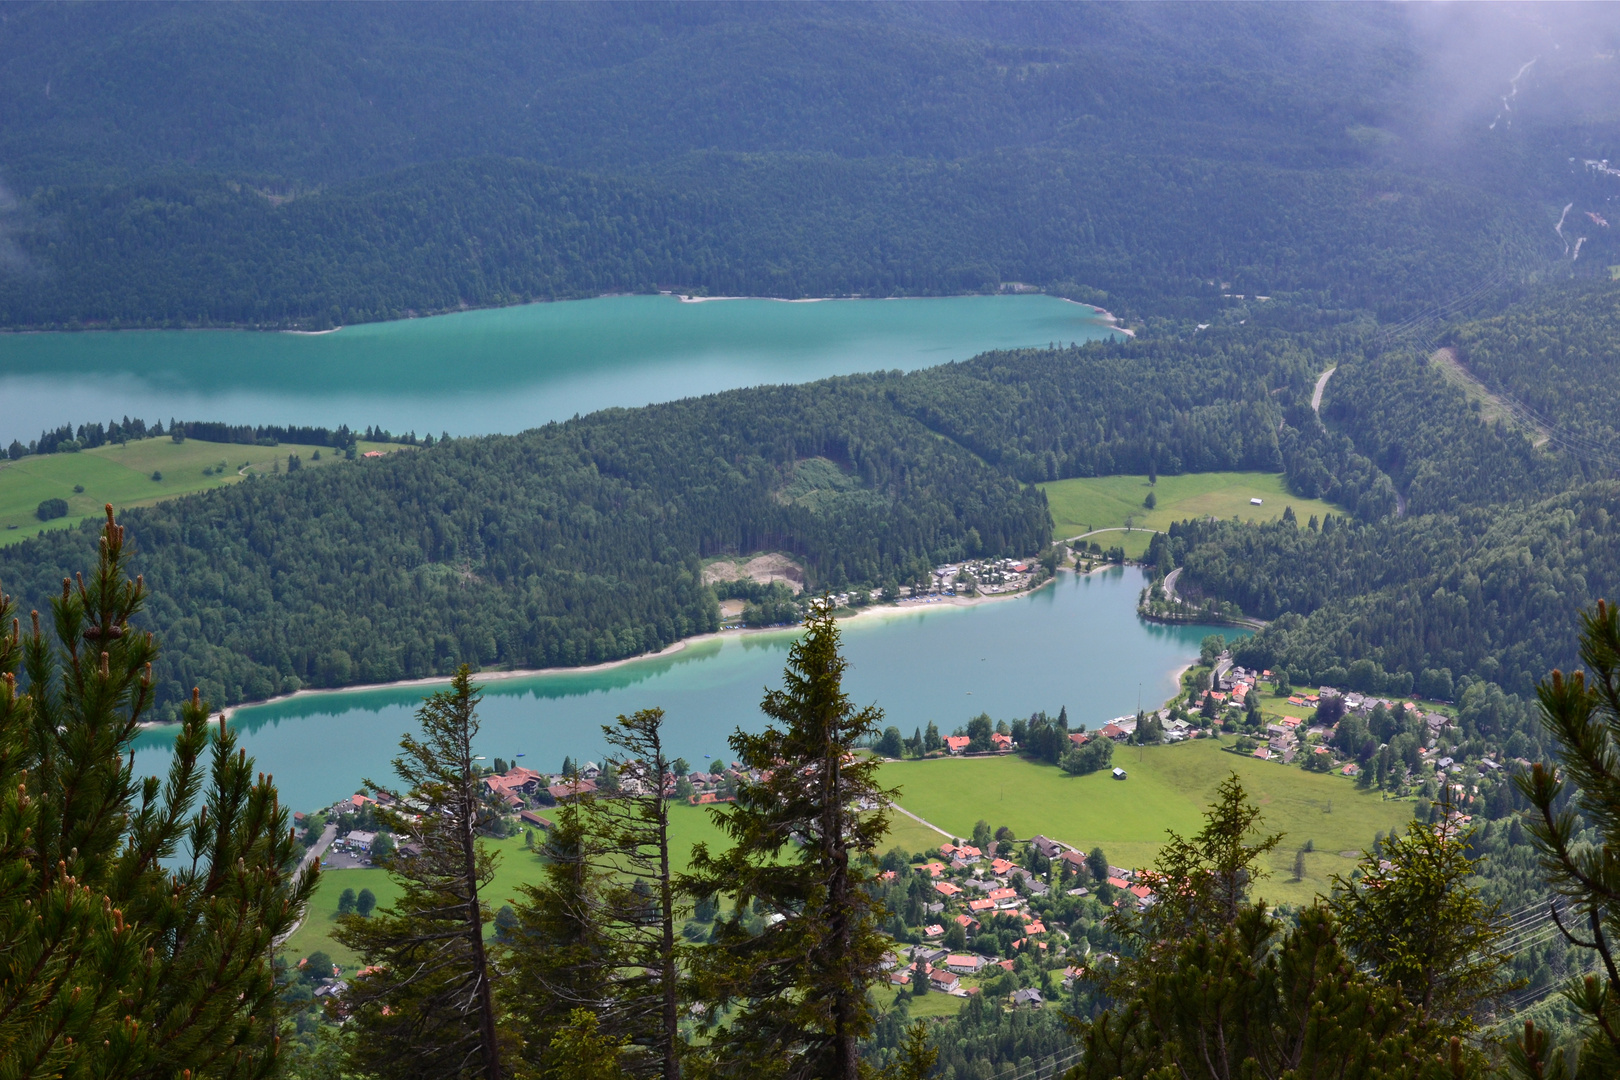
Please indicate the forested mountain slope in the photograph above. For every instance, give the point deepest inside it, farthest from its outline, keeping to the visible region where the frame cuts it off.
(314, 164)
(1503, 541)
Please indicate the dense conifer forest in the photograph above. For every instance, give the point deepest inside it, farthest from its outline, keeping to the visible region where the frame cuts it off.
(328, 164)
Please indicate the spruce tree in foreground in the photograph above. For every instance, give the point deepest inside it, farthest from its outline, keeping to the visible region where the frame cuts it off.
(787, 978)
(137, 915)
(598, 932)
(563, 955)
(426, 1009)
(1216, 987)
(1414, 917)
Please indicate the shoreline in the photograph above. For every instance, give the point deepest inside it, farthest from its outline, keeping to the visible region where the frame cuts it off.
(883, 610)
(1103, 315)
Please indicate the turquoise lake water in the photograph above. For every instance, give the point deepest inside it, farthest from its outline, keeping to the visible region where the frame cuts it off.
(506, 369)
(1076, 643)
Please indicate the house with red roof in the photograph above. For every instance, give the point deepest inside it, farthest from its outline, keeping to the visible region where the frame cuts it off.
(1000, 742)
(977, 906)
(947, 889)
(572, 790)
(1079, 738)
(956, 743)
(934, 868)
(999, 867)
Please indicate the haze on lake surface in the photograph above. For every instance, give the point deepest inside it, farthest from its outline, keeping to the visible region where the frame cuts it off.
(1076, 642)
(503, 370)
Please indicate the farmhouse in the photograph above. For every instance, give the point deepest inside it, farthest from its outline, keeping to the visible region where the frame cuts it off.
(571, 789)
(956, 743)
(1048, 848)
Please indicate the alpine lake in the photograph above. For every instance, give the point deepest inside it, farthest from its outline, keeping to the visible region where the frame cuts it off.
(1075, 643)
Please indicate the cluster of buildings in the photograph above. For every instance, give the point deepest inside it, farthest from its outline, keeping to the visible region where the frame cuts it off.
(987, 576)
(969, 887)
(1289, 737)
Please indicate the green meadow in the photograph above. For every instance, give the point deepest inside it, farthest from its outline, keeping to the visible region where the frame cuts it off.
(1104, 502)
(122, 475)
(1168, 788)
(518, 866)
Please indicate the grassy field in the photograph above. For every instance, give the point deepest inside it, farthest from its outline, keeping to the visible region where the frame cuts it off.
(517, 866)
(122, 475)
(1168, 788)
(1104, 502)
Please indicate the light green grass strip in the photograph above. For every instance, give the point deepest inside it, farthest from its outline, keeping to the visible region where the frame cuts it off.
(1106, 501)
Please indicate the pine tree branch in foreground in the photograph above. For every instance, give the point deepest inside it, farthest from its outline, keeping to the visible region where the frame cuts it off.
(1582, 712)
(112, 962)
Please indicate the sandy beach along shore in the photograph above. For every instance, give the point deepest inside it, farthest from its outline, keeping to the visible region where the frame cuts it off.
(876, 611)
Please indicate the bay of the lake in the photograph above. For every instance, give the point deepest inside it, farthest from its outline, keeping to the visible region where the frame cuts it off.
(1075, 643)
(504, 369)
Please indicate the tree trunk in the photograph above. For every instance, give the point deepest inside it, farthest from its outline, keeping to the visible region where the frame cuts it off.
(672, 1062)
(475, 927)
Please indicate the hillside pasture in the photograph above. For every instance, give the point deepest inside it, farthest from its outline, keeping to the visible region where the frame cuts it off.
(122, 476)
(1104, 502)
(1168, 787)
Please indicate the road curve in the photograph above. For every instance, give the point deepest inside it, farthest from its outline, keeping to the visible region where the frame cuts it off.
(1321, 384)
(314, 854)
(1170, 584)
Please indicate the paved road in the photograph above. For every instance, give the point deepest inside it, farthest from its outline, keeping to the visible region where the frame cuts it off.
(1321, 384)
(949, 836)
(325, 841)
(1170, 584)
(1116, 528)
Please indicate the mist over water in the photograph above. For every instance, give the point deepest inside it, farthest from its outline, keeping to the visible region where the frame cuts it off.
(503, 370)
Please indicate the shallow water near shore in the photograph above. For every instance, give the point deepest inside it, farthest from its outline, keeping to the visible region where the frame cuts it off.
(1076, 642)
(503, 370)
